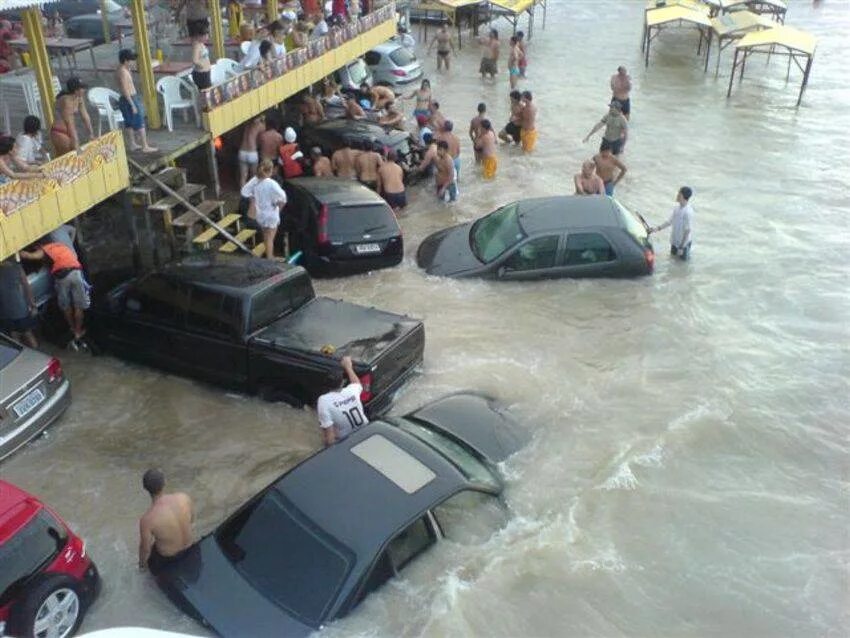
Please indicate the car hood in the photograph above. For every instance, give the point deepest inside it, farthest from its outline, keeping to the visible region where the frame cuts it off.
(214, 592)
(447, 252)
(477, 420)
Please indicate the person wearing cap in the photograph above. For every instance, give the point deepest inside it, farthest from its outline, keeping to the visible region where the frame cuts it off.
(616, 129)
(290, 154)
(681, 235)
(130, 105)
(63, 133)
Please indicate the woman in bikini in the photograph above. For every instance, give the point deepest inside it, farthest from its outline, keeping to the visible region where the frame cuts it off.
(423, 100)
(63, 133)
(201, 69)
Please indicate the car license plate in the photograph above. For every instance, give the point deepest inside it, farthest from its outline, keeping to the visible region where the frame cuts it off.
(28, 403)
(366, 249)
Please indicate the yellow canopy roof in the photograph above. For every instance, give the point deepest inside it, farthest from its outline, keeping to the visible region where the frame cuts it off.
(514, 6)
(437, 5)
(788, 37)
(696, 5)
(739, 21)
(728, 4)
(656, 17)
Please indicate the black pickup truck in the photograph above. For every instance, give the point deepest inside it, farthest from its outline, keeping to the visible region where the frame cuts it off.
(255, 326)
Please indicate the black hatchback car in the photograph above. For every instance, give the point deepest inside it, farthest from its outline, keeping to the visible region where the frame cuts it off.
(342, 227)
(312, 545)
(546, 237)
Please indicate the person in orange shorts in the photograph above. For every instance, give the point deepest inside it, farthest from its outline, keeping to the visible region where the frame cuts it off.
(528, 122)
(485, 146)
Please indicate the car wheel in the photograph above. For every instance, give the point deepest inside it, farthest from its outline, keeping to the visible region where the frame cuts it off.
(53, 608)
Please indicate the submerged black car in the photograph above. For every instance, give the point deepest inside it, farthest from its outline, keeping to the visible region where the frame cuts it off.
(341, 227)
(545, 237)
(308, 548)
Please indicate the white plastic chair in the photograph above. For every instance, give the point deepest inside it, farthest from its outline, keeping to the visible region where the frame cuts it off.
(172, 91)
(230, 67)
(105, 101)
(244, 47)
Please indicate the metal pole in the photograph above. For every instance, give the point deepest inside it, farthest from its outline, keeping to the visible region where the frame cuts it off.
(40, 62)
(143, 63)
(708, 52)
(104, 20)
(271, 10)
(216, 29)
(805, 79)
(732, 75)
(127, 207)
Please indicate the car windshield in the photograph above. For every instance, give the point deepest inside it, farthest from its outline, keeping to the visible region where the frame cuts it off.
(634, 224)
(30, 548)
(358, 71)
(492, 235)
(402, 56)
(346, 222)
(286, 557)
(459, 455)
(280, 299)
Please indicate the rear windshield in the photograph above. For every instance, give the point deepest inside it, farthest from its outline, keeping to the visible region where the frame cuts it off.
(8, 351)
(402, 56)
(29, 549)
(345, 221)
(280, 299)
(358, 72)
(633, 222)
(286, 557)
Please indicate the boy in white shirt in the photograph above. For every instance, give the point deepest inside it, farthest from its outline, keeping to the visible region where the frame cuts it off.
(28, 147)
(341, 412)
(681, 235)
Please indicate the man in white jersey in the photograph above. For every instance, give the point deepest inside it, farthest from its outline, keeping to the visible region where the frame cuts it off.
(341, 412)
(681, 220)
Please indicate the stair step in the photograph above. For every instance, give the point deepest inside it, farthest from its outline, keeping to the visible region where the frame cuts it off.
(172, 176)
(187, 192)
(210, 233)
(209, 206)
(259, 250)
(243, 236)
(186, 220)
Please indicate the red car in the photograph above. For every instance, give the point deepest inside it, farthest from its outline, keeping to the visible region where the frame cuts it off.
(47, 581)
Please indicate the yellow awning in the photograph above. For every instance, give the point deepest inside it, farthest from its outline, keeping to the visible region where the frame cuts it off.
(740, 21)
(788, 37)
(514, 6)
(664, 15)
(446, 5)
(696, 5)
(729, 4)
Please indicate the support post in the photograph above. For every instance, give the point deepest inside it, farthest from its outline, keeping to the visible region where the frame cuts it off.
(40, 63)
(648, 42)
(143, 63)
(708, 52)
(271, 10)
(743, 65)
(216, 29)
(104, 21)
(805, 79)
(732, 75)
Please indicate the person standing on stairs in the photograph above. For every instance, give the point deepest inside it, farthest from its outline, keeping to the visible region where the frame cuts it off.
(268, 198)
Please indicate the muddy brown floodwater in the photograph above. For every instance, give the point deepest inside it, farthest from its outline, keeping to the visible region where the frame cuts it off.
(689, 470)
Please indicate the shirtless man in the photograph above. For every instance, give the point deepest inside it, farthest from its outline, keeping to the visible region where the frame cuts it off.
(367, 164)
(165, 530)
(130, 104)
(528, 122)
(436, 119)
(63, 133)
(311, 110)
(445, 47)
(485, 146)
(342, 161)
(445, 173)
(523, 46)
(391, 183)
(321, 164)
(353, 111)
(452, 140)
(489, 55)
(392, 117)
(512, 130)
(610, 169)
(270, 141)
(379, 96)
(621, 86)
(248, 155)
(429, 157)
(475, 127)
(514, 59)
(588, 182)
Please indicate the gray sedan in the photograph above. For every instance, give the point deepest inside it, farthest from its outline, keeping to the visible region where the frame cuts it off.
(33, 393)
(545, 237)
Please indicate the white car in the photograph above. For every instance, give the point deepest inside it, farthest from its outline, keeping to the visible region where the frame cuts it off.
(393, 65)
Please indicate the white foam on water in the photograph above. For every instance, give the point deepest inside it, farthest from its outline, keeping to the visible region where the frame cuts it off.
(653, 458)
(622, 479)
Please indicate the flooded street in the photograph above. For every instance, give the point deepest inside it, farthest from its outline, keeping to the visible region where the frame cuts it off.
(689, 470)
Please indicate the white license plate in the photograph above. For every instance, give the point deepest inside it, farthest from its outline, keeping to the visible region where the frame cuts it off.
(365, 249)
(28, 403)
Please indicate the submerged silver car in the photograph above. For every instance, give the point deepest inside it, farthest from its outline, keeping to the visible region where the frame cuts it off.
(393, 65)
(33, 393)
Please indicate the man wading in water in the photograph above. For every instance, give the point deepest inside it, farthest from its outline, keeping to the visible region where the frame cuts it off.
(165, 530)
(445, 47)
